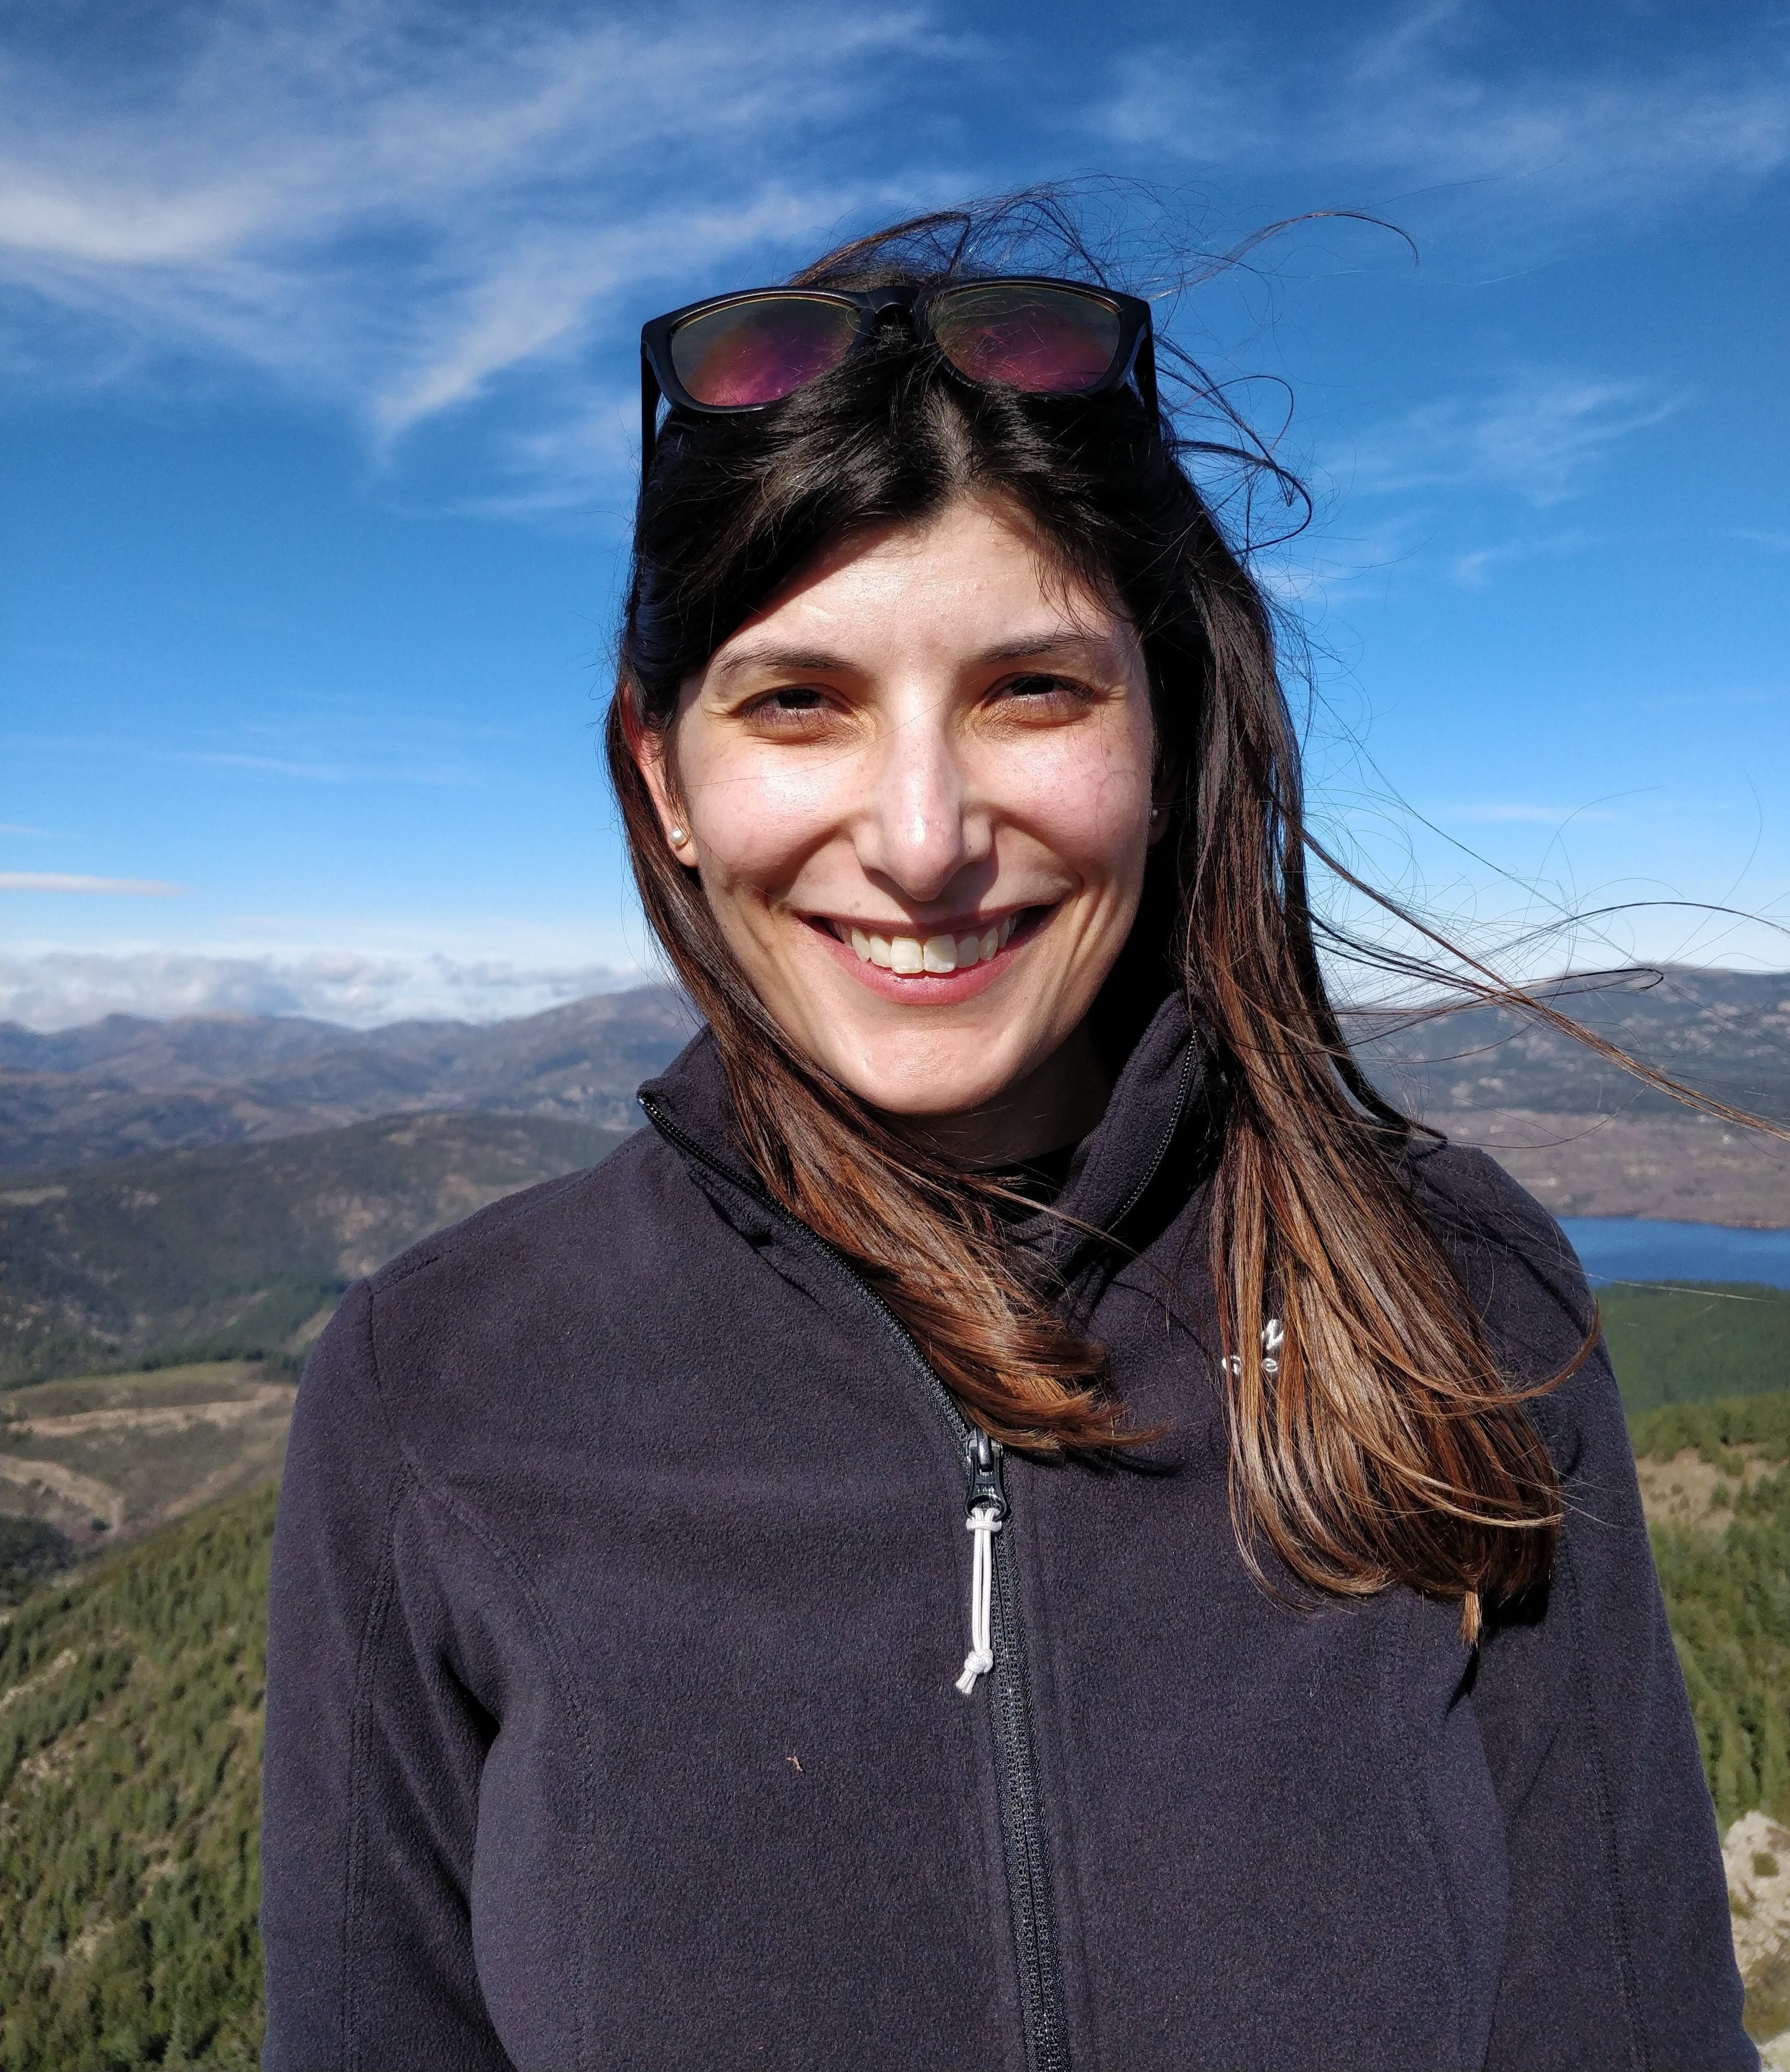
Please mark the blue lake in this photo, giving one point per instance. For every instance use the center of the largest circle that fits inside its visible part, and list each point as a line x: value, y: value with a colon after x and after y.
x: 1624, y: 1248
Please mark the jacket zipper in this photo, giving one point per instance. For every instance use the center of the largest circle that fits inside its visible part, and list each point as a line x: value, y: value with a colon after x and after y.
x: 1030, y: 1904
x: 1016, y: 1783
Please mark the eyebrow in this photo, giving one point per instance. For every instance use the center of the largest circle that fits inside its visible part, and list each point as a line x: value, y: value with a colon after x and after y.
x: 794, y: 661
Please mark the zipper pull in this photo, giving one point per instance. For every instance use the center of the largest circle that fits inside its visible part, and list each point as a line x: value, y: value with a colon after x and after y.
x: 986, y: 1513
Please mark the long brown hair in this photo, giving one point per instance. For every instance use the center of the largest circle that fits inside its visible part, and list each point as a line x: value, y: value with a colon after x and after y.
x: 1383, y: 1444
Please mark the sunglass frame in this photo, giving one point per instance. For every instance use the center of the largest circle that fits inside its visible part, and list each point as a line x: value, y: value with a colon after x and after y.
x: 1135, y: 356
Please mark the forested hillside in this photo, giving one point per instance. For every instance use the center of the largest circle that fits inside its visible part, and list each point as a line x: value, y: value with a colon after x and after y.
x: 130, y: 1806
x: 1725, y: 1572
x: 1694, y: 1344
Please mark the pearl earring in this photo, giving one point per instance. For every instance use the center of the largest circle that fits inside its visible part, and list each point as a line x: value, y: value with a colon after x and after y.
x: 1155, y: 812
x: 678, y: 837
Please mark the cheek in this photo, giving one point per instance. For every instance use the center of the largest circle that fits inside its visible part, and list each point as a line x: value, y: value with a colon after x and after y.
x: 757, y: 818
x: 1086, y: 797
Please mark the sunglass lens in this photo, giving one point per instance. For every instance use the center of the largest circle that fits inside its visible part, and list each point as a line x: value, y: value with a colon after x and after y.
x: 1047, y: 341
x: 761, y: 350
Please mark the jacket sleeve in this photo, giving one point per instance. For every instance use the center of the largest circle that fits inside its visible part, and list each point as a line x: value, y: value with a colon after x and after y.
x: 373, y: 1753
x: 1620, y: 1951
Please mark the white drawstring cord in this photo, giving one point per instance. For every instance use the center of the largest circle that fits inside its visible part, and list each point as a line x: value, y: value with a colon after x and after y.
x: 985, y: 1522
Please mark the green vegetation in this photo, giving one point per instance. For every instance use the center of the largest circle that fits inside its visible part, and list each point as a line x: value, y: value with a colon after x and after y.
x: 1728, y: 1596
x: 130, y: 1805
x: 30, y: 1549
x: 1694, y: 1343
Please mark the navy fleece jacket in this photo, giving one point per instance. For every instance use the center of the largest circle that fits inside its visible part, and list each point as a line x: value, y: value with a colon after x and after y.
x: 620, y: 1588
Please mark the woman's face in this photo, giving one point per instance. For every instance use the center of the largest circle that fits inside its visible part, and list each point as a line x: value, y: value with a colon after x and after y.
x: 917, y: 786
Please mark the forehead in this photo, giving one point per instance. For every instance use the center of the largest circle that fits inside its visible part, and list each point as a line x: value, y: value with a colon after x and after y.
x: 978, y: 568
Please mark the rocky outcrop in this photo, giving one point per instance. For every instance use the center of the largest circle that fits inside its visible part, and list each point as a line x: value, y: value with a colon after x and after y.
x: 1757, y: 1857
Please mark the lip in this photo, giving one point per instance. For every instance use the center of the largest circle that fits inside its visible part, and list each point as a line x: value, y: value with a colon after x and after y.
x: 932, y: 988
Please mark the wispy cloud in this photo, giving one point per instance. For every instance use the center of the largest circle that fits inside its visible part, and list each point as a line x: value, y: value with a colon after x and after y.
x: 1497, y: 812
x: 1474, y: 569
x: 62, y: 881
x: 1439, y: 94
x: 347, y: 753
x: 395, y: 205
x: 1539, y: 435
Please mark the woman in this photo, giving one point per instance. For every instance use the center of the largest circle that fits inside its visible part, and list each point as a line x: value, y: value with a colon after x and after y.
x: 1028, y: 1519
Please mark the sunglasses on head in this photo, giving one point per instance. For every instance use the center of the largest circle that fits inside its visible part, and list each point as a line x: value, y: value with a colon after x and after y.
x: 745, y: 351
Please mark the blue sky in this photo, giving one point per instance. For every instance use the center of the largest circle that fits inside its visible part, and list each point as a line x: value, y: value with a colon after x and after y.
x: 318, y: 328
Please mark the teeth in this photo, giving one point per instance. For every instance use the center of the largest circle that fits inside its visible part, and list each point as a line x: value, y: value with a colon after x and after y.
x: 909, y: 956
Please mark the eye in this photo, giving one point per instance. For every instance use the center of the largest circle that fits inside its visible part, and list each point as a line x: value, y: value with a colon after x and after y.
x: 1042, y: 695
x: 792, y: 709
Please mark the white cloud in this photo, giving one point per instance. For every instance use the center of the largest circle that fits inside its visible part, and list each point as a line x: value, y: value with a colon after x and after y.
x: 61, y: 989
x: 62, y: 881
x: 1474, y: 570
x: 1537, y: 435
x: 1426, y: 99
x: 392, y: 204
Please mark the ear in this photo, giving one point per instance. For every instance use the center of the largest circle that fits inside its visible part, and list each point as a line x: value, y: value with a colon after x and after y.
x: 651, y: 748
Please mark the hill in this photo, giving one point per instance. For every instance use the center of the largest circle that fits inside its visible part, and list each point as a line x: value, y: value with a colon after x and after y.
x: 102, y: 1458
x: 232, y: 1251
x: 1584, y: 1137
x: 1692, y: 1344
x: 1726, y: 1033
x: 125, y: 1085
x: 130, y: 1723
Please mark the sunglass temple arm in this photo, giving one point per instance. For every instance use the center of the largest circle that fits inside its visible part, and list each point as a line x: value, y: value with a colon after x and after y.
x: 649, y: 414
x: 1143, y: 371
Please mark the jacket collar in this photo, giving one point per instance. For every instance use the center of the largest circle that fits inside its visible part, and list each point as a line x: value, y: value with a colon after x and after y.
x: 1169, y: 1084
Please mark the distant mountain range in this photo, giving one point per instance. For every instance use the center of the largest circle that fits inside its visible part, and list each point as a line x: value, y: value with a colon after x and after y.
x: 126, y: 1085
x: 1582, y: 1135
x: 1725, y: 1034
x: 203, y: 1188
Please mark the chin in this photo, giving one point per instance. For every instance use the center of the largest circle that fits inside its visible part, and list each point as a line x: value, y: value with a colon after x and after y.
x: 927, y: 1084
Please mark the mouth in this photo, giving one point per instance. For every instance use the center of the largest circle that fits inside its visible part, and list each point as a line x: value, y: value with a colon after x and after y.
x: 938, y: 955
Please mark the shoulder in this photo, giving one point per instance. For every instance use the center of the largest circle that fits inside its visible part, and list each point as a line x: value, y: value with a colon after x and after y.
x: 598, y: 1215
x: 500, y: 1321
x: 1499, y: 1238
x: 562, y: 1260
x: 1519, y: 1272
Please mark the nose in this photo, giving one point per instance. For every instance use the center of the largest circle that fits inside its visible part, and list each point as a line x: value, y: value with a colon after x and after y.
x: 921, y: 825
